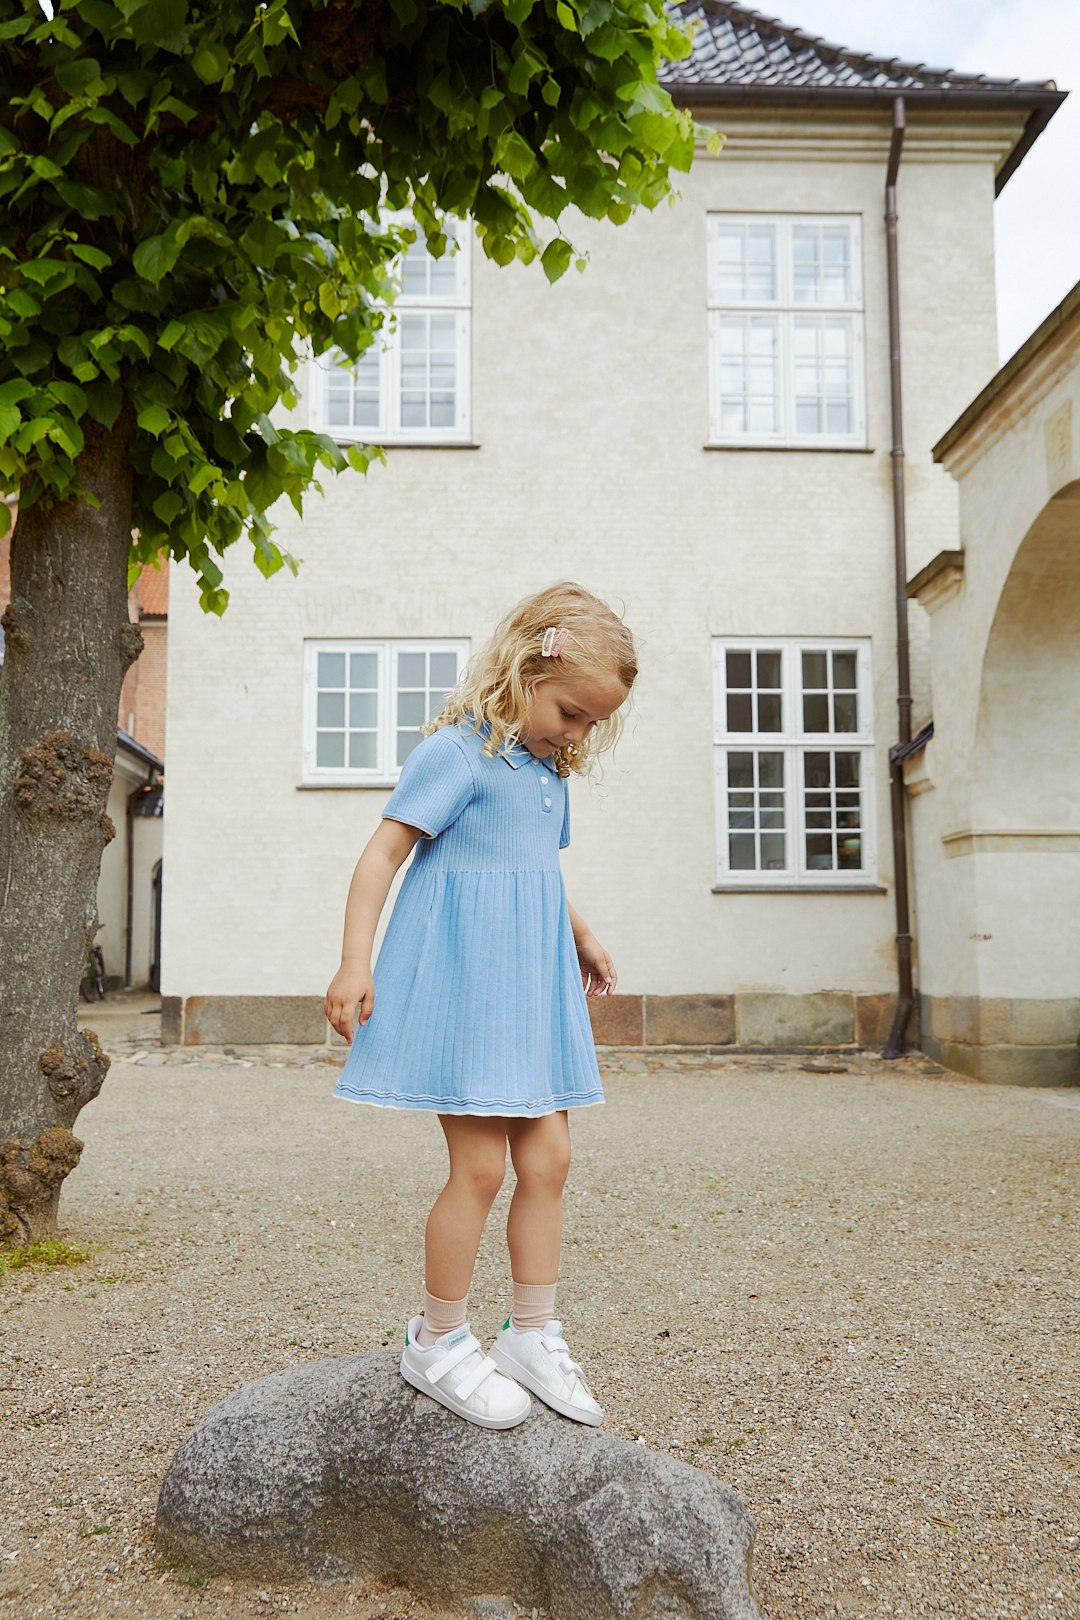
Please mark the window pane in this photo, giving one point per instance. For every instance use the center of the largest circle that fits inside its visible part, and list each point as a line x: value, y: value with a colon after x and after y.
x: 738, y: 669
x: 845, y: 712
x: 443, y: 670
x: 330, y: 748
x: 824, y: 374
x: 768, y: 669
x: 821, y: 264
x: 850, y: 853
x: 815, y: 670
x: 740, y: 715
x: 363, y: 707
x: 741, y: 852
x: 406, y: 742
x: 819, y: 851
x: 816, y: 712
x: 749, y: 373
x: 818, y: 770
x: 411, y: 708
x: 771, y: 768
x: 363, y: 671
x: 745, y: 257
x: 331, y: 709
x: 847, y: 770
x: 331, y: 669
x: 362, y: 750
x: 769, y: 712
x: 773, y: 852
x: 740, y: 770
x: 412, y: 669
x: 844, y: 666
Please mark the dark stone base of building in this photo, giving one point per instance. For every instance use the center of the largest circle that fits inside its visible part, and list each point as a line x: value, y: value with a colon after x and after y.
x: 1006, y: 1042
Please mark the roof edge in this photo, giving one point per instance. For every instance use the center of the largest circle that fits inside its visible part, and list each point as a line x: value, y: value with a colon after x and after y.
x: 1012, y: 368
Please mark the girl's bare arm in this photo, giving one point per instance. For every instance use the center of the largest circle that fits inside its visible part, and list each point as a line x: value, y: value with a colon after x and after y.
x: 597, y: 969
x: 352, y: 985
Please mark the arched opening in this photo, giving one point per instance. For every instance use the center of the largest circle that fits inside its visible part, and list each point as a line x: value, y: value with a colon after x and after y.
x: 1027, y: 754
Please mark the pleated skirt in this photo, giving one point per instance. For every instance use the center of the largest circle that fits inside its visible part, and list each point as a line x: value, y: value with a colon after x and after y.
x: 479, y: 1006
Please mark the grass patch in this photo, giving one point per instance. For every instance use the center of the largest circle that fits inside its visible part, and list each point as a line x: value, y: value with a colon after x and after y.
x: 47, y: 1255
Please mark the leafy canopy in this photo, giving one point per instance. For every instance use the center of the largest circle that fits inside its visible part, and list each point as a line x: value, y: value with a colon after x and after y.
x: 193, y: 191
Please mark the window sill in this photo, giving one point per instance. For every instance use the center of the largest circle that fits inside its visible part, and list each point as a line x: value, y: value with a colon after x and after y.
x: 798, y: 888
x: 348, y: 787
x: 410, y: 444
x: 798, y: 449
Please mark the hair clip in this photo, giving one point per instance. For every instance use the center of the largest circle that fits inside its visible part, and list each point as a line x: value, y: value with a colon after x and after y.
x: 554, y: 642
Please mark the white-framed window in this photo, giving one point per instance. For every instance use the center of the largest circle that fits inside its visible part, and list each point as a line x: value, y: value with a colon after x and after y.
x: 794, y: 756
x: 365, y: 701
x: 413, y: 384
x: 786, y: 362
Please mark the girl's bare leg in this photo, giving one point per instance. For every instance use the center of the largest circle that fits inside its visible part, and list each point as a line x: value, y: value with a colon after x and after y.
x: 540, y: 1150
x: 477, y: 1148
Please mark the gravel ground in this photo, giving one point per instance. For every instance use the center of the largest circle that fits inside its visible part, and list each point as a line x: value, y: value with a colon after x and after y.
x: 847, y: 1288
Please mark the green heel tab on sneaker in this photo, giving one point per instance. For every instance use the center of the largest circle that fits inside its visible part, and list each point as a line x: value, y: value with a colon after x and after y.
x: 506, y: 1324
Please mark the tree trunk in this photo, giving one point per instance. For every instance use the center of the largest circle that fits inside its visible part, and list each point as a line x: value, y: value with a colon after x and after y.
x: 68, y: 643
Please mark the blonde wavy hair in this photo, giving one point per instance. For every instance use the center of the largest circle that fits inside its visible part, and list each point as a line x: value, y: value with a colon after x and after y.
x: 498, y: 683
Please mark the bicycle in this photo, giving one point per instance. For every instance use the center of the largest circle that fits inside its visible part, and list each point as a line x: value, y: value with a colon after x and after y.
x: 92, y: 983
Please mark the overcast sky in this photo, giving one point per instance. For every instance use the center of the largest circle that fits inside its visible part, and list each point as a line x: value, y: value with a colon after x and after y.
x: 1038, y: 213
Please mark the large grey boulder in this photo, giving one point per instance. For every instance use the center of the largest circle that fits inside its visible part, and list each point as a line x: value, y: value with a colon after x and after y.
x: 339, y: 1469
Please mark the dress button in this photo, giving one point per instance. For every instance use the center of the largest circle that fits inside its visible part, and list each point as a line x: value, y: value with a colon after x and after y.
x: 544, y: 781
x: 547, y: 804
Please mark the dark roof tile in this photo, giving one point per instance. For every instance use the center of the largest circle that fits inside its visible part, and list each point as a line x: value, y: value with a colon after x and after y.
x: 734, y: 46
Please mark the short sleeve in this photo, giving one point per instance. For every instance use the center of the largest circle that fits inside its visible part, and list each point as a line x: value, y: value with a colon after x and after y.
x: 435, y: 785
x: 564, y: 836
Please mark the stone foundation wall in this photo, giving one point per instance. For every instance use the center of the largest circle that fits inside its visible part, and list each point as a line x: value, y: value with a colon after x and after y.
x: 748, y: 1022
x: 1008, y: 1040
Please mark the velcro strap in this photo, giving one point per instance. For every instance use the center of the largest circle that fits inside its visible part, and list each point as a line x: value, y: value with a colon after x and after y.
x: 472, y: 1381
x: 447, y: 1362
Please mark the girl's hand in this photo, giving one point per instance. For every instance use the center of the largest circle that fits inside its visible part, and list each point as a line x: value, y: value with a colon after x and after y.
x: 597, y: 969
x: 351, y: 987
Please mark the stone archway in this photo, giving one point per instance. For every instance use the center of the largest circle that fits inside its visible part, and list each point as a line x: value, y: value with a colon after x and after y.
x: 1027, y: 745
x: 1025, y: 806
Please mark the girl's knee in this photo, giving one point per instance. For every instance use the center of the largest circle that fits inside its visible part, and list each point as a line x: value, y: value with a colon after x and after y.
x: 482, y: 1174
x: 544, y: 1165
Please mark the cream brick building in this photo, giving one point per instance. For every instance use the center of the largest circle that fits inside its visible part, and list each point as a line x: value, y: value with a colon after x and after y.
x: 699, y: 429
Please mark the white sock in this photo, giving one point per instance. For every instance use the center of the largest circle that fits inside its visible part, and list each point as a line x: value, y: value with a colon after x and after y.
x: 440, y: 1316
x: 534, y: 1305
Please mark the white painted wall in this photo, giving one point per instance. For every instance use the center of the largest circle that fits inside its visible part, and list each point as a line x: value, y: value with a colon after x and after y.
x: 590, y: 410
x: 998, y: 908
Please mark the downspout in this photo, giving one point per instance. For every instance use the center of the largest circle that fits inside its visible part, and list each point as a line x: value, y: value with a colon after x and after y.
x: 129, y: 863
x: 906, y: 1000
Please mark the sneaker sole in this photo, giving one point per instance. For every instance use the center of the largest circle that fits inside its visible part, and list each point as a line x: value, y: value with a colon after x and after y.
x: 522, y: 1375
x: 425, y: 1387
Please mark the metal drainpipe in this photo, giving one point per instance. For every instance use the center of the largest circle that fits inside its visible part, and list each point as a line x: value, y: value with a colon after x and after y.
x: 895, y: 1046
x: 129, y: 863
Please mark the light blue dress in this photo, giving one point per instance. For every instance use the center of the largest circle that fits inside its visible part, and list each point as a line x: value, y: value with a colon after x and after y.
x: 479, y: 1006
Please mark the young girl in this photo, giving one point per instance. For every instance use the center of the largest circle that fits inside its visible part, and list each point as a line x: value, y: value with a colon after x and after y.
x: 478, y: 1008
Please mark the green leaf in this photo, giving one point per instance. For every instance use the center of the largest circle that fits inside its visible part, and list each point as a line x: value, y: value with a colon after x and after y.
x: 211, y: 62
x: 79, y: 77
x: 91, y: 255
x: 157, y: 22
x: 69, y: 395
x: 556, y: 258
x: 566, y: 16
x: 154, y: 258
x: 14, y: 390
x: 10, y: 419
x: 153, y: 419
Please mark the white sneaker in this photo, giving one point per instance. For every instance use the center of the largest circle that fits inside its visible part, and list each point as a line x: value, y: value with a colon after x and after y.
x: 541, y: 1360
x: 455, y: 1372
